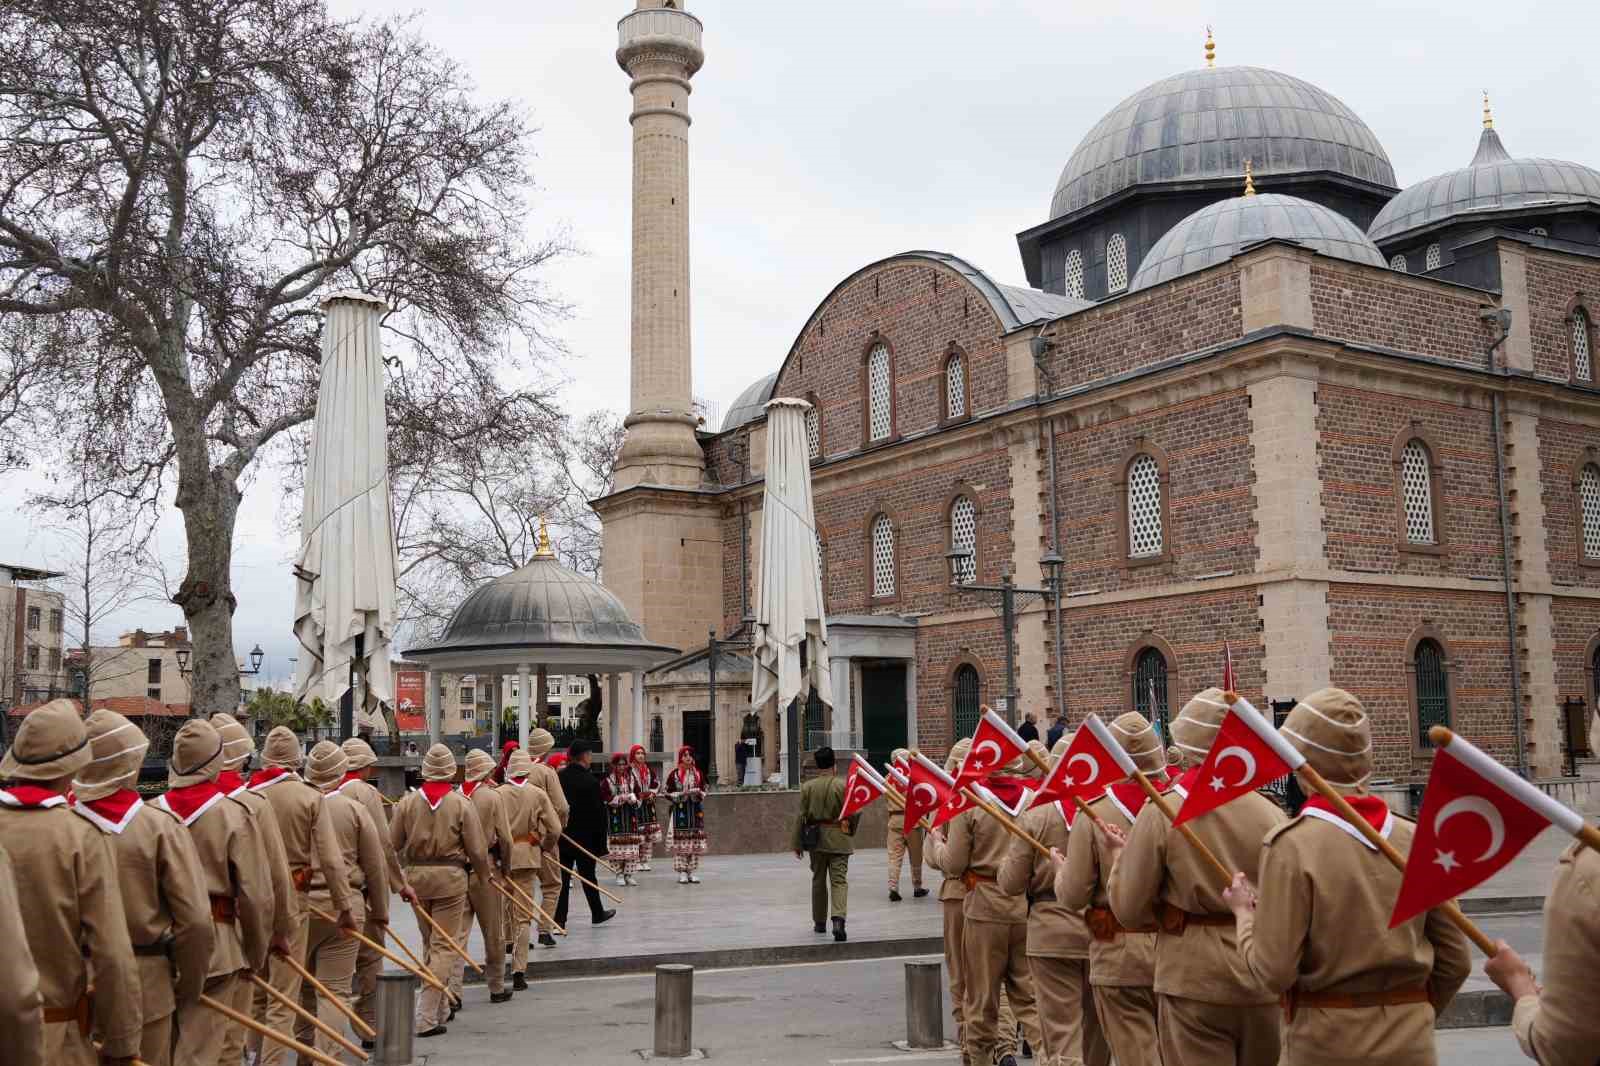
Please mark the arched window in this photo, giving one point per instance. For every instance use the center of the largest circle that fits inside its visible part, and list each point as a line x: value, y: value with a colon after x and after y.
x: 964, y: 537
x: 658, y: 734
x: 1150, y: 687
x: 1072, y: 283
x: 955, y: 387
x: 880, y: 394
x: 813, y: 428
x: 1582, y: 359
x: 1116, y: 263
x: 1416, y: 488
x: 1589, y: 510
x: 1145, y: 535
x: 1434, y: 257
x: 965, y: 700
x: 1398, y: 263
x: 882, y: 557
x: 1433, y: 689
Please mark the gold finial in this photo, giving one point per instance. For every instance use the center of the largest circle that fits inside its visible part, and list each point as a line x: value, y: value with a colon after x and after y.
x: 1211, y: 49
x: 1249, y: 179
x: 1488, y: 116
x: 544, y: 551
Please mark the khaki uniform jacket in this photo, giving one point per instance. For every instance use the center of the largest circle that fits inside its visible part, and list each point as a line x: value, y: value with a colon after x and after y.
x: 1322, y: 925
x: 424, y: 837
x: 69, y: 900
x: 1560, y: 1026
x: 1055, y: 930
x: 308, y: 838
x: 529, y: 813
x: 366, y: 794
x: 491, y: 809
x: 231, y: 866
x: 268, y: 838
x: 163, y: 896
x: 951, y: 888
x: 1159, y: 866
x: 19, y: 981
x: 546, y: 778
x: 821, y: 800
x: 975, y: 846
x: 1129, y: 960
x: 361, y: 855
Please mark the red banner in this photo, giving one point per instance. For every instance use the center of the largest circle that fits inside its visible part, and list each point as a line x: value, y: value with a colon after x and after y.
x: 411, y: 700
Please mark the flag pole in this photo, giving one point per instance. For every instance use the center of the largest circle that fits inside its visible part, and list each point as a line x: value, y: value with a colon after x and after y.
x: 1005, y: 820
x: 1559, y: 814
x: 1185, y: 829
x: 1093, y: 817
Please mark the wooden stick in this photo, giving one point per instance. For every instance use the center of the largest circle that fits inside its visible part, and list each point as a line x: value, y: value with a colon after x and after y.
x: 332, y: 1033
x: 609, y: 895
x: 1083, y: 807
x: 1185, y: 830
x: 327, y: 993
x: 448, y: 939
x: 1006, y: 820
x: 273, y: 1035
x: 1450, y: 909
x: 420, y: 968
x: 516, y: 888
x: 598, y: 860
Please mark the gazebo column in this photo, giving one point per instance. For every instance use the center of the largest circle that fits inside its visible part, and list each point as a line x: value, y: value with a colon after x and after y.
x: 524, y: 696
x: 839, y: 672
x: 541, y: 694
x: 642, y: 735
x: 435, y: 705
x: 618, y: 720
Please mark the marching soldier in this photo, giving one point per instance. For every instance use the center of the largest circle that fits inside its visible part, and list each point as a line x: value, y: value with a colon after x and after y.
x: 819, y: 831
x: 169, y: 916
x: 19, y: 981
x: 1211, y: 1009
x: 231, y: 867
x: 1355, y: 990
x: 330, y: 950
x: 533, y: 821
x: 437, y: 835
x: 900, y: 842
x: 1057, y: 939
x: 70, y: 899
x: 483, y: 902
x: 357, y: 784
x: 1122, y: 962
x: 544, y: 776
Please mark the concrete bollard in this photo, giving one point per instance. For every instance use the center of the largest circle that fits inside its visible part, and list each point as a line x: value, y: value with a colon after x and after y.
x: 924, y: 1005
x: 674, y: 1011
x: 396, y: 1021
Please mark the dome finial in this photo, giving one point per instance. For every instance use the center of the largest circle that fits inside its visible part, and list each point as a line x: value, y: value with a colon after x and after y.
x: 1211, y: 48
x: 1488, y: 116
x: 544, y: 551
x: 1249, y: 179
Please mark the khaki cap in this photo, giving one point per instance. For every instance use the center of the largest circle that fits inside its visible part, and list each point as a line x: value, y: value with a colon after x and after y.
x: 540, y: 742
x: 1137, y: 737
x: 1195, y: 728
x: 51, y: 742
x: 327, y: 765
x: 196, y: 754
x: 1330, y: 728
x: 520, y: 765
x: 282, y: 748
x: 479, y: 765
x: 237, y: 743
x: 117, y: 748
x: 439, y: 764
x: 360, y: 753
x: 958, y: 751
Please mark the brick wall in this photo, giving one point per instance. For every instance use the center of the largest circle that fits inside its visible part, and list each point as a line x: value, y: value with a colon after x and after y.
x: 1575, y: 623
x: 1563, y: 446
x: 725, y: 462
x: 940, y: 650
x: 1366, y: 305
x: 1553, y: 281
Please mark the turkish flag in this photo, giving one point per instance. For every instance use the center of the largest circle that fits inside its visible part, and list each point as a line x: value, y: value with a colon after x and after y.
x: 994, y: 744
x: 1241, y: 759
x: 1230, y: 683
x: 1473, y: 822
x: 1086, y: 768
x: 930, y: 788
x: 862, y: 788
x: 958, y: 803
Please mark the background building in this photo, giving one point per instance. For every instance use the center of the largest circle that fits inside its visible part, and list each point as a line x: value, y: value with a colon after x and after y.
x: 33, y: 624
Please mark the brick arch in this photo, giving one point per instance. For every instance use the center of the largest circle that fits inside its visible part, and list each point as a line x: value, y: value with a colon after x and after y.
x: 811, y: 398
x: 1175, y: 684
x: 1414, y: 431
x: 1589, y: 456
x: 954, y: 350
x: 875, y: 339
x: 1427, y: 630
x: 1589, y: 678
x: 966, y: 657
x: 872, y: 562
x: 1143, y: 446
x: 1580, y: 302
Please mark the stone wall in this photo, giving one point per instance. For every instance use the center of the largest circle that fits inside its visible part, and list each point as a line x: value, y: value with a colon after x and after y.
x: 756, y: 822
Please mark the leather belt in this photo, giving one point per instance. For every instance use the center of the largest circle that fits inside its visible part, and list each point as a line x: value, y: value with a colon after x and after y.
x: 79, y: 1012
x: 1296, y: 998
x: 1174, y: 920
x: 972, y: 880
x: 160, y: 949
x: 301, y: 876
x: 224, y: 909
x: 1103, y: 924
x: 530, y: 839
x: 456, y: 863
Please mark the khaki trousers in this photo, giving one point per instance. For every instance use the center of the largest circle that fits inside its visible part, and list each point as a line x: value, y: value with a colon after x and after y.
x: 830, y: 874
x: 899, y: 844
x: 953, y: 959
x: 518, y: 924
x: 64, y: 1044
x: 995, y: 957
x: 1217, y: 1034
x: 549, y: 885
x: 437, y: 955
x: 243, y: 995
x: 276, y: 1015
x: 1127, y: 1014
x: 155, y: 1042
x: 483, y: 903
x: 200, y: 1029
x: 1072, y: 1034
x: 369, y: 964
x: 331, y: 958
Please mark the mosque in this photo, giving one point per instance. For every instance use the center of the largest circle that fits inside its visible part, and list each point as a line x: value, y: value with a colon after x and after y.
x: 1257, y: 398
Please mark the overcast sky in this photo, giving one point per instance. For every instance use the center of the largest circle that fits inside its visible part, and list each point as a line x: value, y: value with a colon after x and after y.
x: 831, y: 133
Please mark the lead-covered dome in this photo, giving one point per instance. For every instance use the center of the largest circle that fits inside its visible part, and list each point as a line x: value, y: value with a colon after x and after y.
x: 750, y: 403
x: 1216, y: 233
x: 1203, y: 124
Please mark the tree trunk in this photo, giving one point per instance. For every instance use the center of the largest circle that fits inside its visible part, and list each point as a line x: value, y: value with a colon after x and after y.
x: 210, y: 506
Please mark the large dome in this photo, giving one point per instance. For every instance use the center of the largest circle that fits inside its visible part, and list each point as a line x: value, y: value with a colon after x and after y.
x: 1216, y: 233
x: 1203, y: 124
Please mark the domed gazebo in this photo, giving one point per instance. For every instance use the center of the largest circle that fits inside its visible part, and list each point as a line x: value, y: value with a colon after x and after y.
x: 542, y: 617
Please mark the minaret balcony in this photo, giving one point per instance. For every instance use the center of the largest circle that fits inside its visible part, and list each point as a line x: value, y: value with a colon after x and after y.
x: 660, y: 32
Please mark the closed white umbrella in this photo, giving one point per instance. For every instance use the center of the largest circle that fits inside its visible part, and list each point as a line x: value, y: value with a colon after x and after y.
x: 345, y: 574
x: 789, y: 604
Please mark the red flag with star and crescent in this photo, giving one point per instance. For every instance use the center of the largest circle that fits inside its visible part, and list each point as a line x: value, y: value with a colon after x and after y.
x: 958, y: 803
x: 929, y: 789
x: 994, y: 744
x: 1230, y: 683
x: 1476, y: 817
x: 862, y: 788
x: 1085, y: 769
x: 1247, y: 754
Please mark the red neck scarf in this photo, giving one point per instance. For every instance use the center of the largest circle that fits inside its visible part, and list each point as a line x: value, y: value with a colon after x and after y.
x: 191, y: 801
x: 1372, y: 810
x: 1184, y: 781
x: 435, y: 792
x: 469, y: 787
x: 1008, y: 790
x: 262, y: 778
x: 1129, y: 798
x: 112, y: 813
x: 31, y: 797
x: 230, y: 781
x: 351, y: 775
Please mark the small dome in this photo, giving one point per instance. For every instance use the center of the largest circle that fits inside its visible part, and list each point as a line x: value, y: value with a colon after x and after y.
x: 750, y: 404
x: 1493, y: 181
x: 1203, y: 124
x: 1216, y: 233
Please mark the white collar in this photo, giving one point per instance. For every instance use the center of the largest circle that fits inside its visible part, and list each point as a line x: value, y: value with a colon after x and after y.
x: 161, y: 801
x: 1333, y: 819
x: 1118, y: 804
x: 287, y: 775
x: 11, y: 801
x: 345, y: 784
x: 514, y: 783
x: 105, y: 824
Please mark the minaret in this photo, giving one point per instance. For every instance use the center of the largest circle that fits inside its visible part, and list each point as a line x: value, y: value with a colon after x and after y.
x: 659, y: 47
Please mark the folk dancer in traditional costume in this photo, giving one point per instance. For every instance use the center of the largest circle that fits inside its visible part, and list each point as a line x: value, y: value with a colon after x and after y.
x: 484, y: 903
x: 686, y: 792
x: 1122, y: 961
x: 622, y: 818
x: 69, y: 899
x: 648, y: 784
x: 1211, y: 1009
x: 1318, y: 930
x: 543, y: 776
x: 357, y: 784
x: 169, y: 915
x: 901, y: 842
x: 533, y: 822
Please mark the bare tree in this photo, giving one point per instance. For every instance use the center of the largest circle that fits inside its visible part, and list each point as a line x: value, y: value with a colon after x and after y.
x: 181, y: 181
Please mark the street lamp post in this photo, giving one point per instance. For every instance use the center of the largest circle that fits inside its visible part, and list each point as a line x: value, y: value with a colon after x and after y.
x: 962, y: 570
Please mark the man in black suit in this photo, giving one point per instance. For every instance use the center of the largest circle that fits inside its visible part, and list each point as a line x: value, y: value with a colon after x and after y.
x: 587, y: 826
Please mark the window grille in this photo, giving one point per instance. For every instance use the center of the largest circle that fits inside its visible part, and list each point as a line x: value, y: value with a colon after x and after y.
x: 819, y: 552
x: 813, y: 431
x: 879, y: 398
x: 882, y: 556
x: 1116, y: 263
x: 1144, y: 507
x: 1073, y: 276
x: 955, y: 387
x: 1416, y: 484
x: 1539, y: 231
x: 1398, y: 263
x: 1582, y: 363
x: 1433, y: 690
x: 965, y: 709
x: 1589, y: 501
x: 964, y: 537
x: 1150, y: 688
x: 1433, y: 257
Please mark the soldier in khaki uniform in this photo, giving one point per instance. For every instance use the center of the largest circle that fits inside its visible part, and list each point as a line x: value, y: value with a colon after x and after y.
x: 169, y: 915
x: 437, y: 835
x: 821, y: 800
x: 1211, y: 1008
x: 1058, y: 941
x: 357, y: 784
x: 330, y: 950
x: 544, y: 776
x: 231, y: 867
x: 483, y: 902
x: 901, y: 842
x: 533, y: 821
x: 69, y: 894
x: 1357, y: 991
x: 19, y: 981
x: 1122, y: 962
